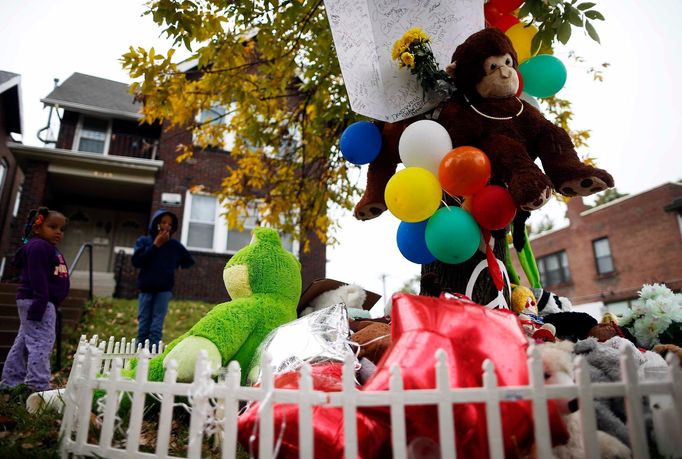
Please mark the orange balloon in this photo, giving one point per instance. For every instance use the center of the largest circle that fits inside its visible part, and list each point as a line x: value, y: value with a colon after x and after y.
x: 464, y: 171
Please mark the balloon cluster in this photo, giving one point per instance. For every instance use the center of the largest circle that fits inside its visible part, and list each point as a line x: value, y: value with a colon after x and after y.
x: 542, y: 75
x: 427, y: 232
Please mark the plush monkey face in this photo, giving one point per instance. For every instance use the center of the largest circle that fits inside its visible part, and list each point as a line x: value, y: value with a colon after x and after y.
x: 500, y: 80
x: 483, y: 66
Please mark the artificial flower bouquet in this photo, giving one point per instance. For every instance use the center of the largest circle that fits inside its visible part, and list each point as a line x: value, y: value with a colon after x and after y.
x: 656, y: 317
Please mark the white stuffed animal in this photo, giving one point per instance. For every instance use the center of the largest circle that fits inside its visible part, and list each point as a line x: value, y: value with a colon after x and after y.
x: 352, y: 295
x: 557, y: 360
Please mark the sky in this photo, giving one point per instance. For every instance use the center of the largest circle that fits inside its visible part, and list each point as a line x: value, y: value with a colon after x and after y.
x: 634, y: 115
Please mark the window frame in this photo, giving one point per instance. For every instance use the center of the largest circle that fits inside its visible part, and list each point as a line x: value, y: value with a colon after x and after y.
x: 228, y: 136
x: 221, y: 228
x: 609, y: 256
x: 79, y: 131
x: 4, y: 167
x: 565, y: 271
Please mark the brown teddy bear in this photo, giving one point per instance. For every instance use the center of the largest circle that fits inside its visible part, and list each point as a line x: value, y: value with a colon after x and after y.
x: 485, y: 113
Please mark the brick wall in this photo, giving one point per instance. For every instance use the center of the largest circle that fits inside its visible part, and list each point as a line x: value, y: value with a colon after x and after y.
x: 645, y: 241
x: 32, y: 197
x: 9, y: 187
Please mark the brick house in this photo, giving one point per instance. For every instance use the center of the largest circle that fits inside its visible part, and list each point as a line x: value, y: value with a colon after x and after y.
x: 607, y: 253
x: 108, y: 173
x: 10, y: 175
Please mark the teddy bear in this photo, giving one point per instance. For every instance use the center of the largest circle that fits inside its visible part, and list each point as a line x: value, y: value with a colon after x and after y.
x: 557, y: 362
x: 322, y: 293
x: 485, y: 113
x: 264, y: 284
x: 524, y: 305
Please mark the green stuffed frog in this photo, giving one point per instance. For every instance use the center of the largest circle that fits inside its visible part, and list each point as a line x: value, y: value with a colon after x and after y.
x: 264, y: 282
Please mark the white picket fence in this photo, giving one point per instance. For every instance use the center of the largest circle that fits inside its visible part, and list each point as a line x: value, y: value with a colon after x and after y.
x: 99, y: 367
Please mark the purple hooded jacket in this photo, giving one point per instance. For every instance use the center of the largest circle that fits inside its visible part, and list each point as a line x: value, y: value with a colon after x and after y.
x: 44, y: 276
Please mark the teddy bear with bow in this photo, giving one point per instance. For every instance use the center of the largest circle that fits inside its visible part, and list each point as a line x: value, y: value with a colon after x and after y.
x: 485, y: 113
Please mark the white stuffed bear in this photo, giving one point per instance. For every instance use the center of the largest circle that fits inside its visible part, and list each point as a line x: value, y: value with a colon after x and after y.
x: 352, y: 295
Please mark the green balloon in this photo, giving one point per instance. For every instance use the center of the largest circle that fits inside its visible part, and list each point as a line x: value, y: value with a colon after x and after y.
x: 452, y: 235
x: 543, y: 75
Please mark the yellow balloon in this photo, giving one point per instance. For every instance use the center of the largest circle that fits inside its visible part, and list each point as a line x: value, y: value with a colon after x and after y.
x: 413, y: 194
x: 521, y: 37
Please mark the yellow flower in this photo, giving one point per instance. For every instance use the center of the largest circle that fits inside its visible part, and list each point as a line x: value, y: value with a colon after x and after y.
x: 407, y: 59
x: 412, y: 36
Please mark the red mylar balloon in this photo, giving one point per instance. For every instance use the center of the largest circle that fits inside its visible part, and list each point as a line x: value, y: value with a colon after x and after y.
x: 469, y: 334
x: 373, y: 434
x: 505, y: 21
x: 493, y: 207
x: 505, y: 6
x: 464, y: 171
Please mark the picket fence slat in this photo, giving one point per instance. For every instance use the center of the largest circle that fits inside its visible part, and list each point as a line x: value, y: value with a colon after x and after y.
x: 492, y: 410
x: 398, y: 436
x: 446, y: 421
x: 166, y: 412
x: 633, y: 406
x: 215, y: 405
x: 588, y: 420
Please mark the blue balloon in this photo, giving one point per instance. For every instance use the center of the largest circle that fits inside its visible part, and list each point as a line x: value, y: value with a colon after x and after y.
x: 412, y: 242
x: 361, y: 142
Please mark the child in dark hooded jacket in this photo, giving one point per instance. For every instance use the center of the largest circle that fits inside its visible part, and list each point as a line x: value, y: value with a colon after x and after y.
x: 157, y: 255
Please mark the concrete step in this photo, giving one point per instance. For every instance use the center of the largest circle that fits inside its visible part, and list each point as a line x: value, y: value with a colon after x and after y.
x: 103, y: 283
x: 70, y: 302
x: 71, y: 314
x: 6, y: 287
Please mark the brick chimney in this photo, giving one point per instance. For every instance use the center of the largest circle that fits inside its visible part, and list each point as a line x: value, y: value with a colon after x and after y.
x: 575, y: 207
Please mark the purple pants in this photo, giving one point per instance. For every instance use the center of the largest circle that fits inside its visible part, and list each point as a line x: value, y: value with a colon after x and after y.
x: 29, y: 359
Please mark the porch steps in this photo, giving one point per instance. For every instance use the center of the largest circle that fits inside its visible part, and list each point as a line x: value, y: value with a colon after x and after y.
x: 71, y: 308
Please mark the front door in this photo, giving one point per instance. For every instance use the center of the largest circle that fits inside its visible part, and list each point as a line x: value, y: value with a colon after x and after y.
x: 107, y: 230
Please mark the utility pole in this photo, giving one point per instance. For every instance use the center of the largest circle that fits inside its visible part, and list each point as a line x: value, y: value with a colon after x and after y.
x: 383, y: 277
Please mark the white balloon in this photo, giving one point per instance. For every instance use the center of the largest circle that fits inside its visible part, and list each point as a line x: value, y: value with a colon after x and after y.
x: 423, y: 144
x: 531, y: 100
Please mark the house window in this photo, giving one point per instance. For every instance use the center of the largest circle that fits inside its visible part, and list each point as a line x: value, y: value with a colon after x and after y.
x: 93, y: 135
x: 207, y: 229
x: 3, y: 173
x: 554, y: 269
x: 17, y: 201
x: 202, y: 222
x: 236, y: 239
x: 602, y: 256
x: 217, y: 115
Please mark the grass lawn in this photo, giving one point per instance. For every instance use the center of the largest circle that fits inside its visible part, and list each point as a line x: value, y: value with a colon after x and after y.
x: 23, y: 435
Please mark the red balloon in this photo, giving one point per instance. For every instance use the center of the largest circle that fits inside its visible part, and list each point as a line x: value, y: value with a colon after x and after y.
x: 373, y: 435
x: 469, y: 334
x: 493, y: 207
x: 492, y: 13
x: 505, y: 21
x: 505, y: 6
x: 464, y: 171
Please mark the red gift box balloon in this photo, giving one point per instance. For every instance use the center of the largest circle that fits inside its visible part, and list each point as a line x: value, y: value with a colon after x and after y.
x: 469, y: 334
x: 327, y: 422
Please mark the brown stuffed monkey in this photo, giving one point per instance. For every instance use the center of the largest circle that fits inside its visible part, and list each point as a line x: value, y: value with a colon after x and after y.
x: 485, y: 113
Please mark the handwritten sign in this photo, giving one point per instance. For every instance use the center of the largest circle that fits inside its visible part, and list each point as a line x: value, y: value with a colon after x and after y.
x: 364, y: 32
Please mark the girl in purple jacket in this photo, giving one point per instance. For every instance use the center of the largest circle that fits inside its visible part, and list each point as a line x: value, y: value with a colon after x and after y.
x: 44, y: 285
